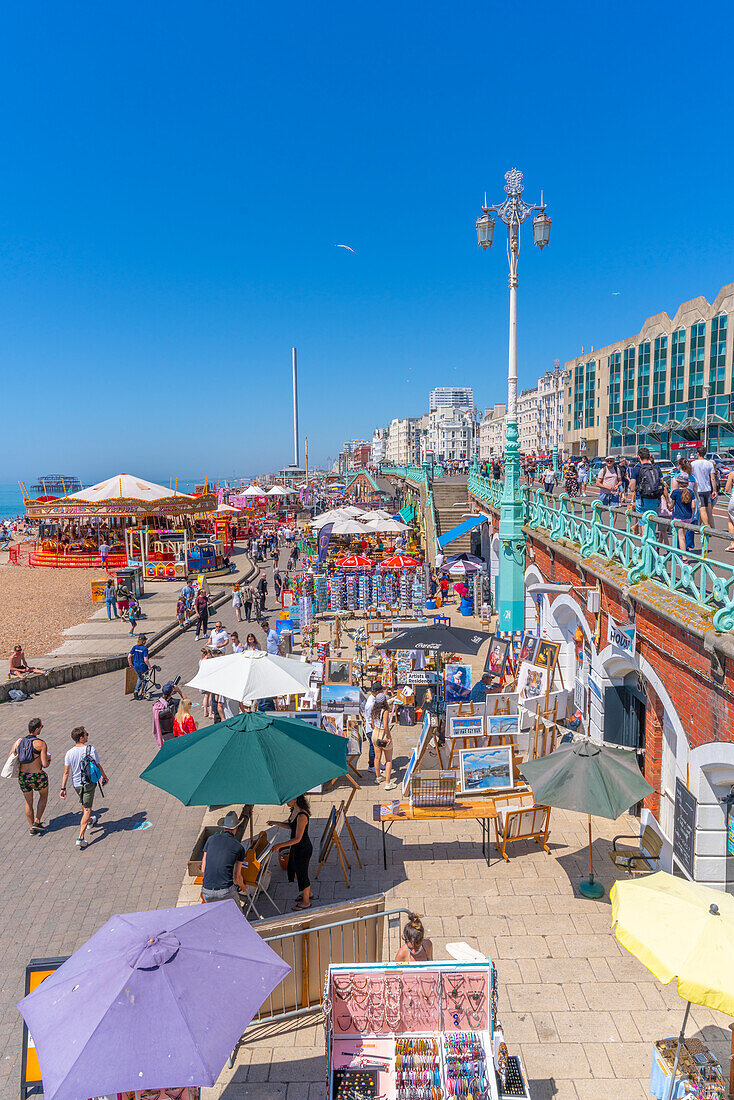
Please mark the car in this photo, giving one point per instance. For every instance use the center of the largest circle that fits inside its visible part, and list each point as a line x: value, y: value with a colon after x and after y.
x: 667, y: 468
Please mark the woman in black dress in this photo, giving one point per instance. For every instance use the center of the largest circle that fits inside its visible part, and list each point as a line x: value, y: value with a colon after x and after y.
x: 299, y: 847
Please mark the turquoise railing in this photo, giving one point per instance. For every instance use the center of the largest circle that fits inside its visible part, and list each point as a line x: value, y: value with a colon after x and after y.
x: 610, y: 533
x: 413, y: 473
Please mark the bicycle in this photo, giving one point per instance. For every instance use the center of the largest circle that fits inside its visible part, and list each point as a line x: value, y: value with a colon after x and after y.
x: 150, y: 683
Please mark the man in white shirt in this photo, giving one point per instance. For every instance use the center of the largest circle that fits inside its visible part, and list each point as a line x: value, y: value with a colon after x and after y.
x: 368, y: 708
x: 272, y: 641
x: 219, y: 637
x: 75, y: 760
x: 704, y: 472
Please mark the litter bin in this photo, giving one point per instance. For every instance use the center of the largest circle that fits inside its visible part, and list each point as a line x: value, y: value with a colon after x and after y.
x: 286, y: 639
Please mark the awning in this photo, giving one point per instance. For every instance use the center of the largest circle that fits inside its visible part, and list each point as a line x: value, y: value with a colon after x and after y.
x: 406, y: 513
x: 461, y: 529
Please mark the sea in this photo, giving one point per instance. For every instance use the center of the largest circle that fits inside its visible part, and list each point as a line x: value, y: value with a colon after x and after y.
x: 11, y: 498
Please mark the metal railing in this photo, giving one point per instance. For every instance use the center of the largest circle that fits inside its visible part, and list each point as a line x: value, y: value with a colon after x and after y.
x: 308, y: 952
x: 413, y: 473
x: 645, y: 546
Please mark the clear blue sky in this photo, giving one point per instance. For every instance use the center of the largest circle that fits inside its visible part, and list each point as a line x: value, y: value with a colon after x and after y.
x: 174, y: 177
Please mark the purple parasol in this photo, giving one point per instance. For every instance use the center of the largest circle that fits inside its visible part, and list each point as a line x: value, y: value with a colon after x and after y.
x: 152, y: 1000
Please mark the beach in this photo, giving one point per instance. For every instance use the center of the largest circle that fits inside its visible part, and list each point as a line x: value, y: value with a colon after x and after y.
x: 36, y: 606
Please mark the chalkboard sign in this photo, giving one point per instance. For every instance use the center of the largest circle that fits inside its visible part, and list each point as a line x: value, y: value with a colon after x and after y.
x: 684, y: 827
x: 328, y: 835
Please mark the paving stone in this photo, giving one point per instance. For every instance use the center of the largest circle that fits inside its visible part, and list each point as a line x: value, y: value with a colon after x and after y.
x: 564, y: 1061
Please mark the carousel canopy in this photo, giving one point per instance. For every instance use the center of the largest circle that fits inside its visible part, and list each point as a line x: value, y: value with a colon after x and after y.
x: 123, y: 496
x: 127, y: 487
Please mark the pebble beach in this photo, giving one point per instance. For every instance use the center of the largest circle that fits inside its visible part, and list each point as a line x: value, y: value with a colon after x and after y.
x: 37, y: 605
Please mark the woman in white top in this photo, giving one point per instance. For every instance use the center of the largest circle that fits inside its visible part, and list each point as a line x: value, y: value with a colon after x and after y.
x: 237, y: 602
x: 237, y: 646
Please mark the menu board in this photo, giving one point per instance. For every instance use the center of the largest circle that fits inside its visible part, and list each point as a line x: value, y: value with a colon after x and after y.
x: 684, y: 827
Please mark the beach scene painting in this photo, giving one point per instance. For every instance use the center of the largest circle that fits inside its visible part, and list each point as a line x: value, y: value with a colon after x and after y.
x: 483, y: 770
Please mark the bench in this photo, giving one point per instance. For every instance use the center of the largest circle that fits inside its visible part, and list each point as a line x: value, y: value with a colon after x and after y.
x: 643, y: 859
x: 518, y: 818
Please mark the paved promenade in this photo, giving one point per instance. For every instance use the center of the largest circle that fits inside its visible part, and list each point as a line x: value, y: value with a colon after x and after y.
x: 54, y: 896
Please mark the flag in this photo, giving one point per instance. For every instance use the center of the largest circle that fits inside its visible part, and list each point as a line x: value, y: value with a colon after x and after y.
x: 323, y: 541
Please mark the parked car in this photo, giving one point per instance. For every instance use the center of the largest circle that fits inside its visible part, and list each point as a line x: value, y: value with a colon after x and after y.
x: 667, y: 469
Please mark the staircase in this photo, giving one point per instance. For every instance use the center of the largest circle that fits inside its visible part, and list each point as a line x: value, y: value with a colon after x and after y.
x: 446, y: 493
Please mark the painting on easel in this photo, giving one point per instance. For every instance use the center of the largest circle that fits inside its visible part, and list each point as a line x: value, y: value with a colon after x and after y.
x: 546, y: 656
x: 458, y: 683
x: 496, y: 656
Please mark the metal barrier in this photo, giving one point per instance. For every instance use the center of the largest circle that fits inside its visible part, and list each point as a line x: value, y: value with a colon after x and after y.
x: 308, y: 951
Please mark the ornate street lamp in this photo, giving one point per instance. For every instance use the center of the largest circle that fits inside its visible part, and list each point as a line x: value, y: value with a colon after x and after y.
x: 513, y: 212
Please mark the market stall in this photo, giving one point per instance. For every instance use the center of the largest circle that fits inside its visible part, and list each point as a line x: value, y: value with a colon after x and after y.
x: 422, y: 1031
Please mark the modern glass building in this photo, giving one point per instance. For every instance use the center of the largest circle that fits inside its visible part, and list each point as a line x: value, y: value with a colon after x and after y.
x: 668, y: 387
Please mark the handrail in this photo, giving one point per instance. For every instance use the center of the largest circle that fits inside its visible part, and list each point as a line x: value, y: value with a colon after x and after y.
x: 640, y: 545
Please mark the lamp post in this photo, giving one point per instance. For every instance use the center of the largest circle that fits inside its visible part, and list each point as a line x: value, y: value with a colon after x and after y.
x: 513, y: 212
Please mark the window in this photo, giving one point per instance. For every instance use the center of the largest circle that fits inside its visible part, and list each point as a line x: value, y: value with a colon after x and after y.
x: 717, y: 354
x: 643, y: 375
x: 659, y: 371
x: 578, y: 396
x: 615, y: 371
x: 695, y: 360
x: 628, y: 380
x: 677, y: 365
x: 590, y: 392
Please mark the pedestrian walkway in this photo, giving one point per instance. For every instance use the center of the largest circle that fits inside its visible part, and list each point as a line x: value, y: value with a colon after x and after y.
x: 55, y: 896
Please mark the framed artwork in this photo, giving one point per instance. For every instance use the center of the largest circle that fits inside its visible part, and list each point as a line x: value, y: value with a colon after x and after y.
x: 470, y: 725
x: 327, y: 835
x: 425, y: 734
x: 501, y: 702
x: 338, y: 670
x: 503, y: 725
x: 528, y: 649
x: 546, y: 655
x: 336, y: 699
x: 425, y: 696
x: 311, y: 716
x: 483, y: 770
x: 496, y: 657
x: 458, y: 683
x: 333, y: 723
x: 408, y: 773
x: 532, y: 683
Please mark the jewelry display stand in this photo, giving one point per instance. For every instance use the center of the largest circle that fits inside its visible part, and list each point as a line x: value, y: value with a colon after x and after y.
x: 420, y: 1031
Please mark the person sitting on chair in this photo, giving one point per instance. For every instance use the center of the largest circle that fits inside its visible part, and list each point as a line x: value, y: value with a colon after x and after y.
x: 221, y: 864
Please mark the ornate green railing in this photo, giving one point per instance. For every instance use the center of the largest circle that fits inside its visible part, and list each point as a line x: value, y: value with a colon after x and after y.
x: 645, y: 554
x: 413, y: 473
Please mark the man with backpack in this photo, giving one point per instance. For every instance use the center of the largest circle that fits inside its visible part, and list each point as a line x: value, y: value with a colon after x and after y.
x: 86, y: 772
x: 647, y: 487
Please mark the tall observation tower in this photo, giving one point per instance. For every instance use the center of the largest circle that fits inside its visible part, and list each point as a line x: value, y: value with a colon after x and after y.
x: 294, y: 472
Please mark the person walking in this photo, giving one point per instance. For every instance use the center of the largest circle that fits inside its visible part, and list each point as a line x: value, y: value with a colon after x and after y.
x: 206, y: 655
x: 262, y: 588
x: 237, y: 602
x: 272, y: 641
x: 704, y: 473
x: 583, y: 475
x: 248, y: 600
x: 139, y: 659
x: 123, y: 598
x: 549, y: 480
x: 647, y: 487
x: 133, y: 614
x: 104, y: 553
x: 382, y: 740
x: 608, y: 484
x: 571, y: 482
x: 730, y: 511
x: 33, y: 757
x: 299, y: 848
x: 684, y: 509
x: 83, y: 764
x: 219, y: 637
x: 110, y: 599
x: 277, y: 584
x: 221, y: 864
x: 368, y: 729
x: 201, y: 607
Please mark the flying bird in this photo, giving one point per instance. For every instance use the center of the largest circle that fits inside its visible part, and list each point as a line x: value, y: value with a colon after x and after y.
x: 345, y: 246
x: 615, y: 292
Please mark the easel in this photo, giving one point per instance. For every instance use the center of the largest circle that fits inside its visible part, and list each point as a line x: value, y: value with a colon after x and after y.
x: 545, y: 732
x: 469, y: 740
x: 335, y: 842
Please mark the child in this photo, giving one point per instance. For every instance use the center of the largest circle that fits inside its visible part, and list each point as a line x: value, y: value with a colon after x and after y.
x: 133, y: 613
x: 684, y: 510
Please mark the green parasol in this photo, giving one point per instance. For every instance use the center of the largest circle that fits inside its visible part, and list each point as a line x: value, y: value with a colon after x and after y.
x: 592, y: 779
x: 253, y: 758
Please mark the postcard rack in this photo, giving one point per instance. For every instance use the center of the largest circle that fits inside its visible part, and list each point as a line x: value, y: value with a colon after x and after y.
x: 422, y: 1031
x: 433, y: 788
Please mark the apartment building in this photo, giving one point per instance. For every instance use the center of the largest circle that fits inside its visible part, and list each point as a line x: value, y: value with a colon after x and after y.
x: 492, y: 432
x: 451, y: 434
x: 668, y: 387
x: 451, y: 397
x: 404, y: 441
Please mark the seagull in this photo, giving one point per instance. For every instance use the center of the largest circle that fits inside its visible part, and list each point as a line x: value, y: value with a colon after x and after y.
x: 345, y: 246
x: 615, y: 292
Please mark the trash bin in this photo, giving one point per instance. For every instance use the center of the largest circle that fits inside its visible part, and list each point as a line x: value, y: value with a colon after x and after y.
x: 286, y: 638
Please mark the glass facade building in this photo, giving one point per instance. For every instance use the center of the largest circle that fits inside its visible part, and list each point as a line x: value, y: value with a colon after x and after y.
x: 668, y: 387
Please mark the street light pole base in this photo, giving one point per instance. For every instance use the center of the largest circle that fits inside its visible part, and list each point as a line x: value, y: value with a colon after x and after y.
x: 590, y: 889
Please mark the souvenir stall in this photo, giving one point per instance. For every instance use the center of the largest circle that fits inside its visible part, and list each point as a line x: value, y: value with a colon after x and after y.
x: 110, y: 511
x: 421, y: 1031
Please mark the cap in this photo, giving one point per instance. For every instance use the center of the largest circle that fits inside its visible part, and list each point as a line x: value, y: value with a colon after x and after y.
x: 231, y: 820
x: 682, y: 478
x: 168, y: 687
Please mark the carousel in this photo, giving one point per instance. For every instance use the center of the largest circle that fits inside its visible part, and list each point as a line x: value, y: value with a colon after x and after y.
x: 146, y: 526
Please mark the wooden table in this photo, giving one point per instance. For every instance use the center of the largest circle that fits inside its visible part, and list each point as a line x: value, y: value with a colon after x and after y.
x: 464, y: 809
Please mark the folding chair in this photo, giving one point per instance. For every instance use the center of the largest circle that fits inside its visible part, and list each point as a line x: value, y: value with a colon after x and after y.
x: 254, y: 890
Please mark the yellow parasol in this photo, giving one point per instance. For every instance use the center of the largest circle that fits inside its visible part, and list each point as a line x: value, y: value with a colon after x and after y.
x: 682, y: 930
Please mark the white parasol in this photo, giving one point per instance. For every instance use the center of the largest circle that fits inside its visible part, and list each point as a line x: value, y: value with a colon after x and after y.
x: 253, y: 675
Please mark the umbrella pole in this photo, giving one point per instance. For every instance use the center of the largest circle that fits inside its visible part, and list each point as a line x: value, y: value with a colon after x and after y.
x: 671, y: 1086
x: 587, y: 887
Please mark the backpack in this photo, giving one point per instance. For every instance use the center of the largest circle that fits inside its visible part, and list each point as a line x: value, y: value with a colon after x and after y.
x: 650, y: 482
x: 25, y: 749
x: 89, y: 768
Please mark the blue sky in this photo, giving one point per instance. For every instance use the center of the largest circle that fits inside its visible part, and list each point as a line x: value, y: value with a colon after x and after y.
x: 174, y: 177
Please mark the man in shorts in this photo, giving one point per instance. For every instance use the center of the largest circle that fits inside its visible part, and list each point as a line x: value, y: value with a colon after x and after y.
x: 33, y: 757
x: 704, y: 473
x: 74, y: 763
